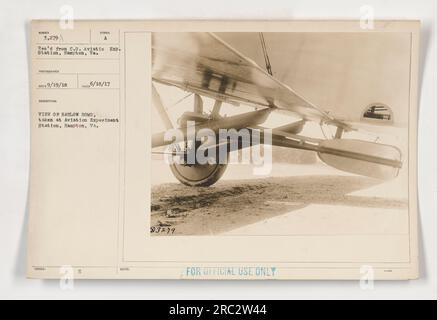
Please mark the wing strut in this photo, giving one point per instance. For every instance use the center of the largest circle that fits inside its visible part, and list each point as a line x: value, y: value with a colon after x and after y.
x: 266, y: 55
x: 160, y: 108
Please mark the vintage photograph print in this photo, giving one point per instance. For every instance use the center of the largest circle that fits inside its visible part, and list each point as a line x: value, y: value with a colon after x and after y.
x: 280, y: 133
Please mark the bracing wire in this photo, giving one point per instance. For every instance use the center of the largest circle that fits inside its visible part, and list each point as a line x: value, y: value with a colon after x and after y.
x: 265, y: 53
x: 179, y: 101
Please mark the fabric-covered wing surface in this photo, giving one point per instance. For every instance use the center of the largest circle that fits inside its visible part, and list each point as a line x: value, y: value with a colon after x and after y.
x: 202, y: 63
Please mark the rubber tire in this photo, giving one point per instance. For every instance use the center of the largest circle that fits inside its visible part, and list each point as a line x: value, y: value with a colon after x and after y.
x: 186, y: 174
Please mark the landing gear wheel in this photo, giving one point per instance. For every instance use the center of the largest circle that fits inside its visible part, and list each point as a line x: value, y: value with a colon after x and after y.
x: 198, y: 175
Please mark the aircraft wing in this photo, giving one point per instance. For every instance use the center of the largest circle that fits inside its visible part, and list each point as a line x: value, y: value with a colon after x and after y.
x: 202, y: 63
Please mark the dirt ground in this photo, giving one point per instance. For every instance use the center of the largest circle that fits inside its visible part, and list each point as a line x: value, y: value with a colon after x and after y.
x: 232, y: 204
